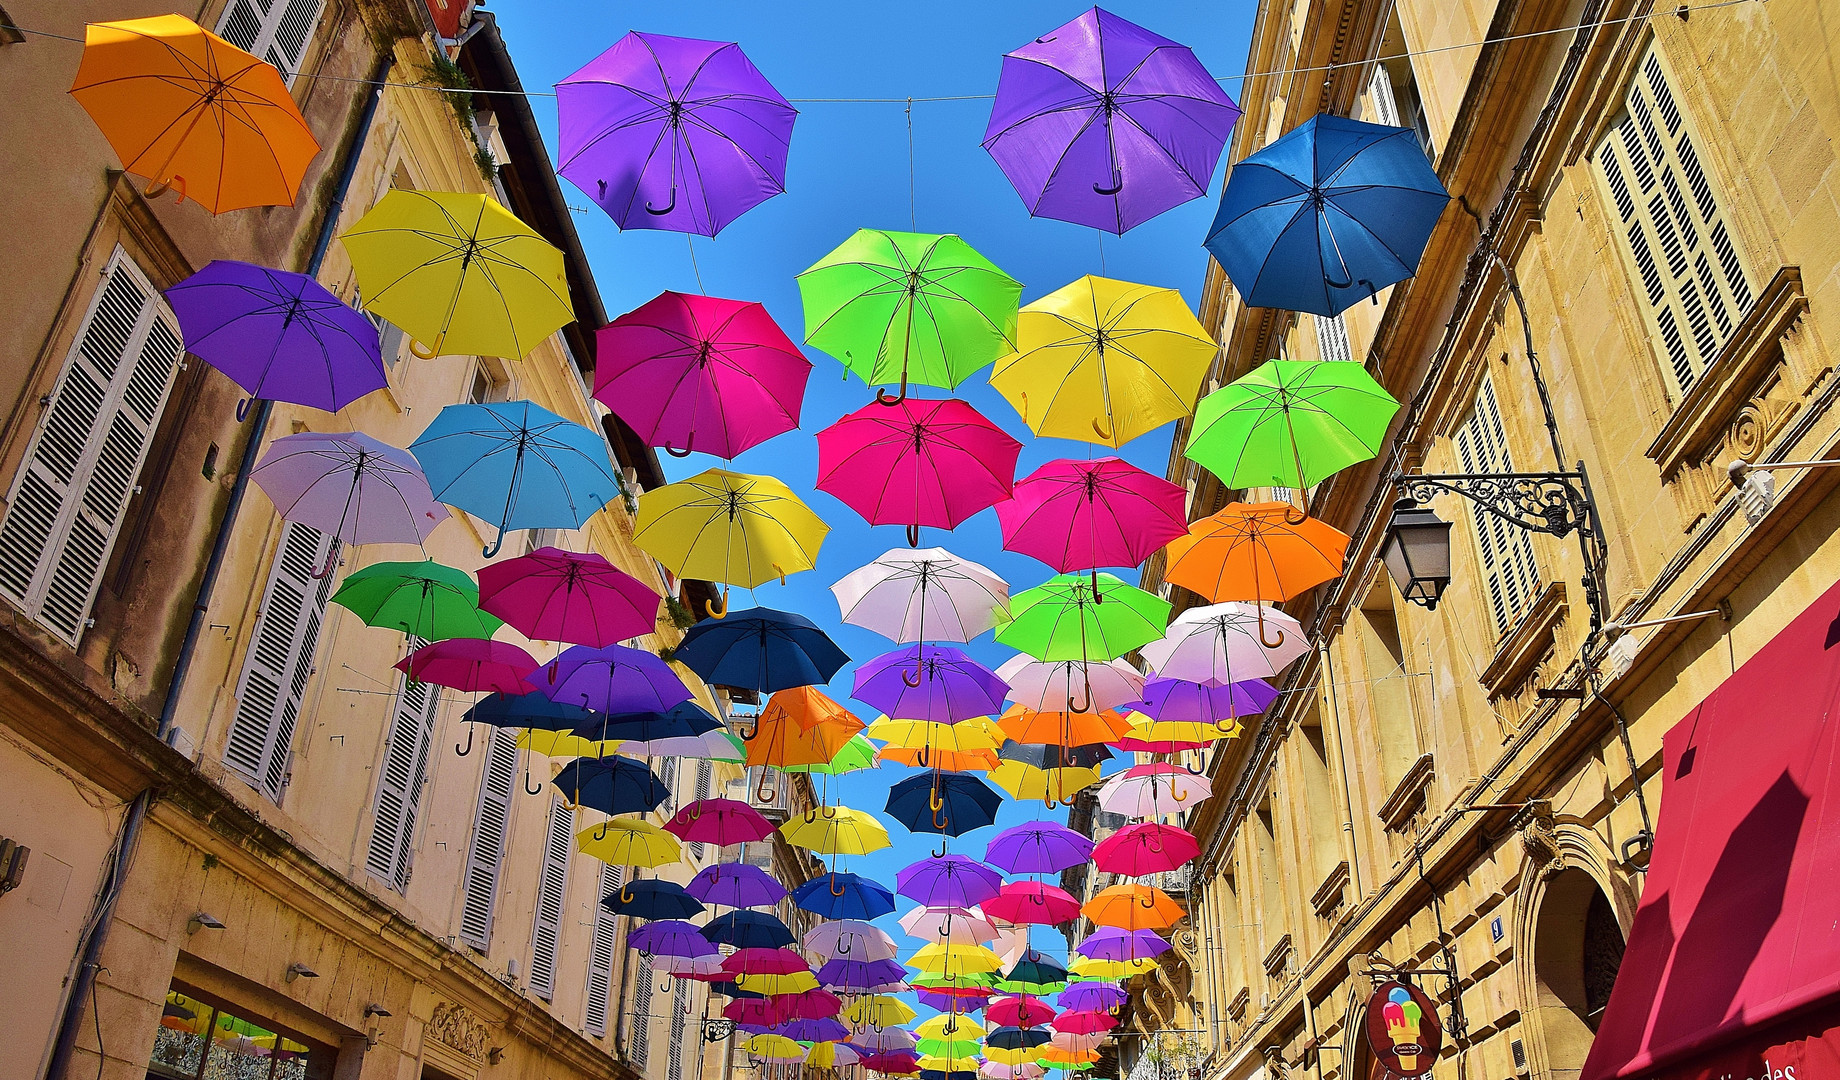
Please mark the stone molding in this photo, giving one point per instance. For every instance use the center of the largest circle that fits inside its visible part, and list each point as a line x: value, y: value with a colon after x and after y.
x: 1407, y: 794
x: 1527, y: 644
x: 1278, y: 960
x: 1332, y: 895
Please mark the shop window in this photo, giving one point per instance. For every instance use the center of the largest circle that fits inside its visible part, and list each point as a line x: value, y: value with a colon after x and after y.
x: 1509, y: 573
x: 202, y: 1039
x: 491, y: 821
x: 278, y: 31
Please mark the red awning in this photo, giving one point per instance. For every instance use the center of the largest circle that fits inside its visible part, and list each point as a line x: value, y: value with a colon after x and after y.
x: 1734, y: 957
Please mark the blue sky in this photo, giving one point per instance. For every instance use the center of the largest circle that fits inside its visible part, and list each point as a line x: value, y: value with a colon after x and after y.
x: 848, y: 169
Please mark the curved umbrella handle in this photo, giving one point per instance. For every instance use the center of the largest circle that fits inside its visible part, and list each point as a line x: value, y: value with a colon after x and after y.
x: 427, y: 352
x: 1037, y: 899
x: 933, y: 801
x: 811, y: 815
x: 923, y: 757
x: 915, y: 680
x: 626, y: 893
x: 462, y: 751
x: 1050, y: 801
x: 668, y: 207
x: 715, y: 612
x: 176, y: 185
x: 1228, y: 725
x: 689, y: 445
x: 1178, y: 794
x: 1302, y: 515
x: 780, y: 570
x: 1263, y: 640
x: 242, y: 408
x: 940, y: 853
x: 941, y: 822
x: 1098, y: 598
x: 752, y: 734
x: 1148, y: 903
x: 1156, y: 844
x: 1080, y: 706
x: 827, y: 812
x: 883, y: 397
x: 761, y: 789
x: 527, y: 789
x: 913, y: 535
x: 665, y: 987
x: 842, y: 949
x: 601, y: 833
x: 1101, y: 432
x: 332, y: 558
x: 1117, y: 184
x: 491, y: 550
x: 834, y: 890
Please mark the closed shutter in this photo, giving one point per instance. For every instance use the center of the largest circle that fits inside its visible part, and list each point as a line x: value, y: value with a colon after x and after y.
x: 278, y: 31
x: 1690, y: 277
x: 641, y: 1047
x: 551, y: 888
x: 705, y: 775
x: 72, y: 490
x: 1380, y: 90
x: 1508, y: 569
x: 280, y: 660
x: 400, y: 780
x: 1332, y: 338
x: 680, y: 1005
x: 491, y: 822
x: 600, y: 958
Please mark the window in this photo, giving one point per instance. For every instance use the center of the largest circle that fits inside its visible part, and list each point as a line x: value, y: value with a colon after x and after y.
x: 600, y: 958
x: 280, y: 660
x: 551, y: 888
x: 1392, y: 720
x: 488, y: 385
x: 1692, y: 280
x: 275, y: 30
x: 399, y: 782
x: 390, y: 338
x: 1393, y: 89
x: 200, y: 1040
x: 72, y: 490
x: 641, y: 1047
x: 491, y: 822
x: 1332, y: 338
x: 1508, y: 569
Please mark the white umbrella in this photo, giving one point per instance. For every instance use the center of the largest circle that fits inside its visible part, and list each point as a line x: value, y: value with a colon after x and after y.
x: 957, y: 926
x: 687, y: 966
x: 922, y: 593
x: 1067, y: 1040
x: 1227, y: 642
x: 1047, y: 687
x: 851, y: 938
x: 716, y: 745
x: 1153, y: 790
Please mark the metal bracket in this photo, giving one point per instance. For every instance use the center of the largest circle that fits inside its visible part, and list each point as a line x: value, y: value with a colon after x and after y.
x: 1552, y: 503
x: 716, y: 1030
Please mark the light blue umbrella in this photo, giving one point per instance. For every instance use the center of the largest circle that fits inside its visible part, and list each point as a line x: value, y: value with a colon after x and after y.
x: 518, y: 464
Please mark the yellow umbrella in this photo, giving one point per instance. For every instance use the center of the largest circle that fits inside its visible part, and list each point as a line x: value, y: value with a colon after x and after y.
x: 460, y: 273
x: 562, y: 744
x: 796, y: 982
x: 629, y: 842
x: 774, y: 1048
x: 823, y: 1055
x: 950, y: 958
x: 927, y: 735
x: 1106, y: 970
x: 948, y: 1026
x: 1017, y: 1056
x: 1025, y: 781
x: 1104, y: 361
x: 729, y: 527
x: 932, y: 1063
x: 836, y: 830
x: 1144, y: 729
x: 880, y: 1010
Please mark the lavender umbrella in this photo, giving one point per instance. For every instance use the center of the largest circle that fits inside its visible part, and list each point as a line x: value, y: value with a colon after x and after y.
x: 350, y: 485
x: 741, y: 885
x: 1111, y: 943
x: 1092, y: 997
x: 929, y: 682
x: 1203, y: 702
x: 948, y: 881
x: 1038, y: 847
x: 614, y: 679
x: 859, y: 975
x: 850, y: 938
x: 671, y: 937
x: 1103, y: 123
x: 883, y: 1040
x: 673, y: 133
x: 278, y: 335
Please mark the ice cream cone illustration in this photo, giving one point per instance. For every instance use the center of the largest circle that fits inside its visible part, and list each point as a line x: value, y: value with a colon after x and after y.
x: 1403, y: 1016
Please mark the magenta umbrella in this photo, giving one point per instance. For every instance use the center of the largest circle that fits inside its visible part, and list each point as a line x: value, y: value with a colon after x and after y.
x: 701, y: 373
x: 920, y: 462
x: 1081, y: 515
x: 474, y: 665
x: 556, y: 595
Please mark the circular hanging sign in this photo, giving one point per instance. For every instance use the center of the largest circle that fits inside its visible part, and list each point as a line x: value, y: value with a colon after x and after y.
x: 1402, y: 1029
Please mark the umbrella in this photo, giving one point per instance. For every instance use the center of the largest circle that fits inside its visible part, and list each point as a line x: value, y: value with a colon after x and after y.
x: 1017, y: 1038
x: 614, y: 785
x: 952, y: 1048
x: 732, y: 990
x: 760, y: 649
x: 684, y: 720
x: 1067, y: 1040
x: 841, y: 895
x: 942, y: 760
x: 930, y: 593
x: 1073, y: 617
x: 350, y: 486
x: 955, y: 986
x: 832, y: 1055
x: 1084, y: 1023
x: 518, y: 465
x: 670, y: 937
x: 612, y: 679
x: 952, y: 804
x: 278, y: 335
x: 1255, y: 552
x: 921, y: 462
x: 951, y: 881
x: 1111, y: 943
x: 963, y: 925
x: 191, y: 112
x: 556, y: 595
x: 929, y: 682
x: 1149, y: 736
x: 701, y: 968
x: 673, y: 133
x: 836, y: 830
x: 1022, y: 1070
x: 1033, y: 902
x: 852, y: 938
x: 800, y: 726
x: 762, y: 961
x: 960, y: 747
x: 629, y: 842
x: 711, y: 746
x: 811, y: 1004
x: 852, y: 974
x: 748, y: 930
x: 691, y: 372
x: 893, y: 1063
x: 1105, y: 361
x: 1052, y: 785
x: 1327, y: 215
x: 741, y: 885
x: 944, y: 958
x: 1055, y: 756
x: 1034, y: 973
x: 1023, y: 1011
x: 950, y: 1027
x: 528, y: 710
x: 1226, y: 643
x: 1145, y: 848
x: 1132, y: 906
x: 729, y: 527
x: 1046, y: 687
x: 773, y: 1048
x: 1038, y: 847
x: 879, y: 1011
x: 1153, y: 790
x: 1174, y: 701
x: 1290, y: 423
x: 796, y: 982
x: 422, y: 599
x: 1065, y: 728
x: 719, y: 821
x: 1077, y: 515
x: 914, y: 306
x: 470, y: 664
x: 652, y: 899
x: 1092, y: 997
x: 1103, y: 123
x: 460, y: 274
x: 857, y: 753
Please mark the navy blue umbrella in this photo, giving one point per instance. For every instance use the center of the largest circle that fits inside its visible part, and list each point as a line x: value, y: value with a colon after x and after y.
x: 1016, y: 1038
x: 844, y: 896
x: 733, y: 990
x: 527, y: 711
x: 1327, y: 216
x: 652, y: 899
x: 748, y: 930
x: 1034, y: 973
x: 949, y: 803
x: 1055, y: 757
x: 761, y: 649
x: 684, y: 720
x: 612, y: 785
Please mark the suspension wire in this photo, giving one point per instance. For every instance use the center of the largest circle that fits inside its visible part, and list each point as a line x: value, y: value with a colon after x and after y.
x: 694, y: 269
x: 913, y: 212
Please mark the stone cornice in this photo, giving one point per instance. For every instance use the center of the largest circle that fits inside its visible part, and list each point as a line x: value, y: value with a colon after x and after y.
x: 1531, y: 638
x: 1407, y: 795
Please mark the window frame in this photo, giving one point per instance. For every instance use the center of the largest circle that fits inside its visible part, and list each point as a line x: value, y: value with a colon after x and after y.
x: 270, y: 22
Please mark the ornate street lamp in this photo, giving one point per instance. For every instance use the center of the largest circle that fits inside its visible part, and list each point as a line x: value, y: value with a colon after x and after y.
x: 1417, y: 552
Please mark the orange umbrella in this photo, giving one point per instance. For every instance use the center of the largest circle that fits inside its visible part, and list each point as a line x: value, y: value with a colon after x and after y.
x: 1063, y: 728
x: 799, y: 726
x: 1131, y: 906
x: 1255, y: 551
x: 190, y: 111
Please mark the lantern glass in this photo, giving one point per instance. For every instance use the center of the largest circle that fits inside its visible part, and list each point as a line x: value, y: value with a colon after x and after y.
x: 1417, y: 553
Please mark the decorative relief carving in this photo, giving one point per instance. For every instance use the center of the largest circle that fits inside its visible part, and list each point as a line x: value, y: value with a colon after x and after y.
x: 454, y: 1026
x: 1539, y: 839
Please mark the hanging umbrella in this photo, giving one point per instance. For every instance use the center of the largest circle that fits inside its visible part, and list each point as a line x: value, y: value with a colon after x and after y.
x: 1145, y: 848
x: 729, y: 527
x: 1049, y: 757
x: 1226, y: 643
x: 923, y: 743
x: 853, y: 938
x: 748, y: 930
x: 1075, y: 617
x: 1327, y: 215
x: 1078, y: 515
x: 739, y: 885
x: 799, y: 726
x: 879, y: 1011
x: 1052, y: 786
x: 1255, y: 552
x: 422, y: 599
x: 831, y: 1055
x: 849, y: 974
x: 837, y: 830
x: 965, y: 925
x: 1034, y: 973
x: 858, y: 753
x: 1084, y: 1023
x: 1021, y: 1011
x: 614, y: 785
x: 652, y: 899
x: 191, y: 112
x: 473, y: 665
x: 1041, y: 686
x: 929, y: 682
x: 702, y: 968
x: 947, y: 960
x: 894, y: 1064
x: 948, y: 1048
x: 709, y: 746
x: 950, y: 1026
x: 1105, y: 361
x: 951, y: 804
x: 670, y: 937
x: 926, y: 593
x: 1172, y: 701
x: 689, y: 372
x: 1038, y: 847
x: 841, y: 895
x: 278, y: 335
x: 916, y: 307
x: 684, y: 720
x: 773, y: 1048
x: 460, y: 274
x: 350, y: 486
x: 760, y: 649
x: 1018, y: 1038
x: 613, y: 679
x: 954, y: 987
x: 1092, y: 997
x: 528, y: 710
x: 1033, y: 902
x: 556, y: 595
x: 1132, y: 906
x: 1065, y: 728
x: 810, y: 1005
x: 1022, y: 1070
x: 952, y: 761
x: 1153, y: 790
x: 796, y: 982
x: 1111, y: 943
x: 1149, y: 736
x: 629, y: 842
x: 953, y: 881
x: 1103, y: 123
x: 722, y: 822
x: 1290, y: 423
x: 919, y: 463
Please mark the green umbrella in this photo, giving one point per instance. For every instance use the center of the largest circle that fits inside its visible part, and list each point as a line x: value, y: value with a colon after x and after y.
x: 948, y: 1047
x: 918, y: 307
x: 857, y: 753
x: 1083, y: 617
x: 423, y: 599
x: 1290, y: 423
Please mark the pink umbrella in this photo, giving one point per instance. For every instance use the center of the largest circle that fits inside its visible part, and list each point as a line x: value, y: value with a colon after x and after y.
x: 471, y: 664
x: 719, y: 821
x: 1081, y: 515
x: 1033, y: 902
x: 920, y: 462
x: 701, y: 373
x: 1145, y: 848
x: 556, y: 595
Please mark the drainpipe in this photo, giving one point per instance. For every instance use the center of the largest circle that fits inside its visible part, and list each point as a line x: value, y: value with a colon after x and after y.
x: 84, y: 984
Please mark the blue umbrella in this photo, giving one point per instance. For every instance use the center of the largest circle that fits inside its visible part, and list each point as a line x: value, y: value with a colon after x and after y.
x: 684, y: 720
x: 733, y: 990
x: 613, y: 785
x: 844, y: 896
x: 949, y: 803
x: 527, y: 711
x: 652, y: 899
x: 761, y: 649
x: 748, y: 930
x: 1327, y: 216
x: 517, y: 464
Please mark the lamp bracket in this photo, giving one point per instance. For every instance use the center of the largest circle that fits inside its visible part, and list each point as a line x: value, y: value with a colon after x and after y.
x: 715, y: 1030
x: 1555, y: 503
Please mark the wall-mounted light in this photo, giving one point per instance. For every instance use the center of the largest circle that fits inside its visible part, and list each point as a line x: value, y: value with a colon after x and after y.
x: 374, y: 1009
x: 495, y: 1055
x: 299, y: 971
x: 1757, y: 488
x: 1623, y: 644
x: 202, y: 920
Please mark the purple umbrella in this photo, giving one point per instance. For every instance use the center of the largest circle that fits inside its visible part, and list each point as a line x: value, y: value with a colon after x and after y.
x: 1103, y: 123
x: 1092, y: 997
x: 930, y: 682
x: 278, y: 335
x: 888, y: 1040
x: 359, y: 489
x: 829, y: 1029
x: 671, y: 937
x: 736, y: 885
x: 613, y: 679
x: 1203, y: 702
x: 673, y: 133
x: 859, y: 975
x: 1038, y: 847
x: 1111, y: 943
x: 948, y: 881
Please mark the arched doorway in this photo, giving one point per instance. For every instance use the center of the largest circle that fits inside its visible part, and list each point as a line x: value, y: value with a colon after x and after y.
x: 1577, y: 949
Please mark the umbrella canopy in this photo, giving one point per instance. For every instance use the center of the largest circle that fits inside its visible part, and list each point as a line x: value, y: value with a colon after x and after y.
x: 852, y: 938
x: 929, y: 682
x: 709, y: 746
x: 577, y: 597
x: 614, y: 785
x: 652, y: 899
x: 1111, y: 943
x: 1145, y: 848
x: 858, y: 753
x: 517, y: 464
x: 1178, y: 701
x: 841, y: 895
x: 740, y: 885
x: 922, y: 462
x: 1077, y: 515
x: 1149, y: 736
x: 760, y: 649
x: 927, y: 593
x: 1255, y: 552
x: 916, y: 307
x: 1105, y: 361
x: 1327, y: 215
x: 1077, y: 617
x: 1034, y: 973
x: 1067, y: 1040
x: 473, y: 665
x: 1153, y: 790
x: 811, y: 1004
x: 947, y: 959
x: 673, y: 133
x: 831, y: 1055
x: 1063, y: 728
x: 191, y: 112
x: 1290, y: 423
x: 773, y: 1048
x: 689, y: 372
x: 1102, y: 123
x: 1033, y: 902
x: 422, y: 599
x: 748, y: 930
x: 951, y: 804
x: 1042, y: 686
x: 879, y: 1010
x: 1038, y: 847
x: 836, y: 830
x: 959, y: 924
x: 1056, y: 756
x: 1132, y: 906
x: 629, y: 842
x: 1092, y: 997
x: 700, y: 968
x: 351, y: 486
x: 951, y: 881
x: 729, y: 527
x: 893, y: 1064
x: 527, y: 710
x: 670, y: 937
x: 612, y: 679
x: 1017, y: 1038
x: 1227, y: 642
x: 800, y: 726
x: 278, y: 335
x: 1084, y: 1023
x: 855, y: 974
x: 684, y: 720
x: 1022, y: 1070
x: 1051, y: 786
x: 719, y: 821
x: 1021, y: 1011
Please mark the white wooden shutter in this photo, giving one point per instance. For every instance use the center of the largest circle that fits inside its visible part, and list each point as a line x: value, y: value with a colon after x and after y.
x: 1508, y: 569
x: 275, y: 30
x: 1380, y: 89
x: 491, y: 822
x: 600, y: 958
x: 551, y: 889
x: 641, y: 1047
x: 400, y: 780
x: 280, y: 660
x: 680, y: 1004
x: 72, y: 490
x: 1332, y: 338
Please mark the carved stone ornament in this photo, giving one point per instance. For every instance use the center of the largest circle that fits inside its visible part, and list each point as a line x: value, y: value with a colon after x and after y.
x: 1539, y: 841
x: 454, y: 1026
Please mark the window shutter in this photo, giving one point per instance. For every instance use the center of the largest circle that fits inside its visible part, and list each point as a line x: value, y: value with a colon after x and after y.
x: 1508, y: 569
x: 72, y: 490
x: 280, y: 659
x: 551, y: 887
x: 641, y: 1047
x: 680, y: 1004
x: 1386, y: 109
x: 705, y: 776
x: 1332, y: 339
x: 399, y: 781
x: 491, y: 823
x: 600, y: 958
x: 278, y: 31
